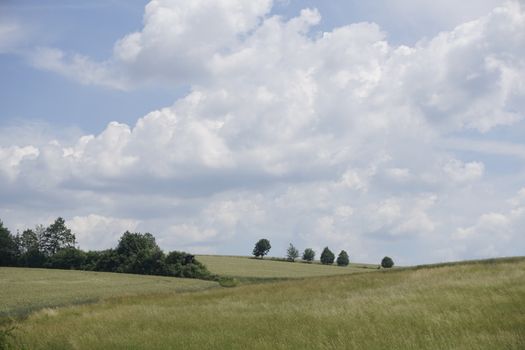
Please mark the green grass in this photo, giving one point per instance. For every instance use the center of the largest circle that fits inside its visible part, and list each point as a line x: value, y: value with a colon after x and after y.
x: 462, y: 306
x: 23, y: 290
x: 250, y: 268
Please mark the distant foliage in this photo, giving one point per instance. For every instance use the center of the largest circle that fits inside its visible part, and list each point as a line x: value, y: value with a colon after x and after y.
x: 57, y: 236
x: 342, y: 259
x: 387, y: 262
x: 8, y: 247
x: 54, y: 247
x: 327, y: 257
x: 67, y: 258
x: 308, y: 255
x: 262, y: 247
x: 292, y: 253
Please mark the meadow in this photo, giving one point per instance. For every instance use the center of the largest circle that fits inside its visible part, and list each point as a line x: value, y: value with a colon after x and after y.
x: 476, y: 305
x: 24, y: 290
x: 251, y: 268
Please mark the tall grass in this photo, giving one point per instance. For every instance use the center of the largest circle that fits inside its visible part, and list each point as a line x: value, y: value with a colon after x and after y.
x: 472, y: 306
x: 23, y: 290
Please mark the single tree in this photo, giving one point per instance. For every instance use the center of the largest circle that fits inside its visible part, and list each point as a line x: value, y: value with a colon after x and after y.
x: 28, y: 241
x: 308, y: 255
x: 57, y: 236
x: 292, y: 253
x: 262, y: 247
x: 327, y: 257
x: 139, y: 253
x: 342, y: 259
x: 387, y: 262
x: 29, y: 248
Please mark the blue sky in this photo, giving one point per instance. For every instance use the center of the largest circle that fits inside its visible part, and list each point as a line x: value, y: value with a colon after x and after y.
x: 382, y: 128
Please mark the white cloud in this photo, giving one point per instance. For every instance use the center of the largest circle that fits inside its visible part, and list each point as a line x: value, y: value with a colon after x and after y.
x: 100, y: 232
x: 331, y: 138
x: 459, y: 171
x: 12, y: 157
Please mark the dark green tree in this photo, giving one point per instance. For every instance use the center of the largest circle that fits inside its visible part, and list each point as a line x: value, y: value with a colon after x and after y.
x: 292, y: 253
x: 55, y: 237
x: 139, y: 253
x: 342, y: 259
x: 181, y: 264
x: 28, y: 241
x: 67, y: 258
x: 8, y: 247
x: 262, y: 247
x: 29, y: 247
x: 308, y: 255
x: 387, y: 262
x: 327, y: 257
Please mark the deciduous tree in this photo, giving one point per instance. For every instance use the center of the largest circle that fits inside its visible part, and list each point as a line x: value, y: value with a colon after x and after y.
x: 262, y: 247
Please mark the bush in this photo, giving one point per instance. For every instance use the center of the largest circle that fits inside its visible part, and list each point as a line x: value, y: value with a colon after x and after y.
x: 308, y: 255
x: 181, y: 264
x: 327, y: 257
x: 342, y: 259
x: 228, y: 282
x: 67, y: 258
x: 262, y: 247
x: 108, y: 260
x: 387, y: 262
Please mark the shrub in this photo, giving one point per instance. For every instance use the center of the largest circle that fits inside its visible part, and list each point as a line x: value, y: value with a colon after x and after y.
x: 228, y: 282
x: 308, y: 255
x: 67, y: 258
x: 108, y: 261
x: 327, y: 257
x: 387, y: 262
x: 262, y: 247
x: 292, y: 253
x: 181, y: 264
x: 342, y: 259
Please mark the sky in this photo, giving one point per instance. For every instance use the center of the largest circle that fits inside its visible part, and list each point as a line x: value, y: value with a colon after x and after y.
x: 381, y: 128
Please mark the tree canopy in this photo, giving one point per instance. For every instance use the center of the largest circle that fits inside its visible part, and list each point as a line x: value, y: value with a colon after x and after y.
x: 327, y: 257
x: 262, y: 247
x: 342, y: 259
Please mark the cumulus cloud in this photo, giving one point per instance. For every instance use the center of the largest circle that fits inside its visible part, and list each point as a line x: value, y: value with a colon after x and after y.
x: 100, y: 232
x: 494, y: 233
x: 12, y: 157
x: 338, y: 137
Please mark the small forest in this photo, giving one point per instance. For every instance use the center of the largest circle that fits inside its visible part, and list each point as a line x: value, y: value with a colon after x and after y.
x: 55, y: 247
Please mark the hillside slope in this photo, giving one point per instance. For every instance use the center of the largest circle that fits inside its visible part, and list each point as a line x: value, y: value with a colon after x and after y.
x: 23, y: 290
x: 461, y: 306
x: 239, y: 266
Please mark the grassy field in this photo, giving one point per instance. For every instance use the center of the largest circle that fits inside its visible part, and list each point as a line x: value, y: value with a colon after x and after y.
x: 245, y: 267
x: 463, y: 306
x: 24, y: 290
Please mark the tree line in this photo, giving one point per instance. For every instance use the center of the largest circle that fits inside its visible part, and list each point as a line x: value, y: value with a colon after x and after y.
x: 54, y: 247
x: 263, y: 246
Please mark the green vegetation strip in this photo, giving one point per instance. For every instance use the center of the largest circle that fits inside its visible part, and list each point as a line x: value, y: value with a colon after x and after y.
x: 471, y: 306
x: 23, y: 290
